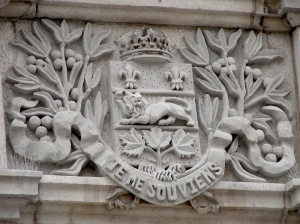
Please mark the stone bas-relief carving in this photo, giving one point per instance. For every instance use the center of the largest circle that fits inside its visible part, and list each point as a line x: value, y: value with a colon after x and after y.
x: 57, y: 123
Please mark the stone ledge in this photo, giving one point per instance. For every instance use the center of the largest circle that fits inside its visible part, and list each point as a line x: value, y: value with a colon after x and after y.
x: 84, y: 198
x: 17, y: 188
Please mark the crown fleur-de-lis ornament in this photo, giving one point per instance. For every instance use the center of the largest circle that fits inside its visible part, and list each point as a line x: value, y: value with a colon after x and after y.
x: 130, y: 76
x: 176, y: 78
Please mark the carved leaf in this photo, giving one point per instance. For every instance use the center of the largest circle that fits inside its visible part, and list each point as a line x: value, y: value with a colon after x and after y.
x: 197, y: 50
x: 46, y: 99
x: 21, y: 71
x: 233, y: 146
x: 262, y: 117
x: 74, y: 73
x: 42, y: 37
x: 91, y: 45
x: 92, y: 81
x: 252, y: 45
x: 233, y: 39
x: 176, y: 168
x: 266, y: 56
x: 251, y: 87
x: 243, y: 174
x: 214, y: 43
x: 230, y: 86
x: 62, y: 34
x: 276, y: 82
x: 80, y: 161
x: 47, y: 73
x: 102, y: 50
x: 282, y: 103
x: 134, y: 144
x: 27, y: 48
x: 147, y: 168
x: 39, y: 111
x: 208, y: 111
x: 157, y: 138
x: 207, y: 82
x: 88, y: 111
x: 182, y: 144
x: 26, y: 89
x: 245, y: 162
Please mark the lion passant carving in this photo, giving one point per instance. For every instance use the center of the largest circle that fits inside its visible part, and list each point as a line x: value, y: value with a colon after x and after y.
x: 137, y: 110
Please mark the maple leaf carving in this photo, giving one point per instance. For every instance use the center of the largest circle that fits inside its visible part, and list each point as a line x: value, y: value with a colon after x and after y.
x: 156, y: 138
x: 182, y: 144
x: 134, y: 144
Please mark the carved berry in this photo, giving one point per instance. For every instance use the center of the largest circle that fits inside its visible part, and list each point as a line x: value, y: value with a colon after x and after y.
x: 248, y: 70
x: 40, y: 62
x: 46, y: 138
x: 34, y: 122
x: 31, y: 60
x: 225, y: 71
x: 216, y: 66
x: 256, y: 73
x: 31, y: 68
x: 74, y: 94
x: 70, y: 62
x: 58, y: 103
x: 231, y: 60
x: 55, y: 54
x: 278, y: 151
x: 70, y: 53
x: 72, y: 105
x: 271, y: 157
x: 233, y: 68
x: 41, y: 131
x: 222, y: 61
x: 58, y: 64
x: 266, y: 82
x: 78, y: 57
x: 260, y: 135
x: 47, y: 122
x: 266, y: 149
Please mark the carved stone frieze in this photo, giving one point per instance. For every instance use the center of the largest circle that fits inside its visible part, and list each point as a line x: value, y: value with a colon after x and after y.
x: 157, y: 115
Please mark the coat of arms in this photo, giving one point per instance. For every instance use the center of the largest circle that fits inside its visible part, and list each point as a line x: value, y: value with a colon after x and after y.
x: 173, y: 125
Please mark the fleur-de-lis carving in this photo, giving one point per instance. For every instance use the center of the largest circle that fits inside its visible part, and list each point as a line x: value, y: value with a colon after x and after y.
x: 176, y: 78
x: 130, y: 76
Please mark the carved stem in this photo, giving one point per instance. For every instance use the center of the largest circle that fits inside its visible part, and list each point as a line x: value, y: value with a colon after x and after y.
x: 80, y: 83
x: 225, y: 99
x: 148, y: 149
x: 64, y: 71
x: 166, y: 152
x: 59, y: 86
x: 159, y: 162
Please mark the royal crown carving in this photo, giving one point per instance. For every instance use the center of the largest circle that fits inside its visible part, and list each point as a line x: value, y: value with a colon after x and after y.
x: 157, y: 114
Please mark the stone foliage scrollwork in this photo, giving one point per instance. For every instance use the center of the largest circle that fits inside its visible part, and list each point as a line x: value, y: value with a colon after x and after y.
x: 221, y: 80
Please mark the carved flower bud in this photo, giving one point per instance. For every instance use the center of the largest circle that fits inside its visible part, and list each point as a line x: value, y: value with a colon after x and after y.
x: 72, y: 105
x: 55, y: 54
x: 266, y: 82
x: 256, y: 73
x: 41, y: 131
x: 31, y: 60
x: 47, y: 122
x: 34, y: 122
x: 248, y: 70
x: 222, y: 61
x: 70, y: 62
x: 216, y: 66
x: 266, y: 149
x: 31, y: 68
x: 231, y: 60
x: 271, y: 157
x: 278, y: 151
x: 74, y: 94
x: 46, y: 138
x: 40, y: 62
x: 70, y: 53
x: 58, y: 64
x: 78, y: 57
